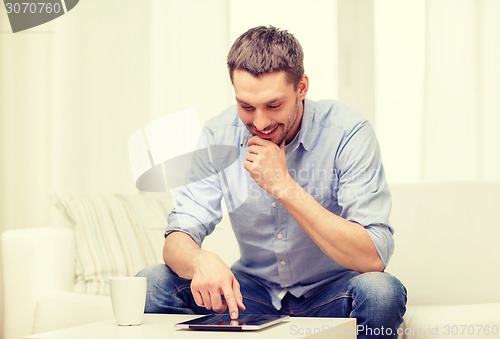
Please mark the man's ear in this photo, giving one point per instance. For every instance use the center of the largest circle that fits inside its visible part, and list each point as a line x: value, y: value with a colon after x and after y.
x: 303, y: 87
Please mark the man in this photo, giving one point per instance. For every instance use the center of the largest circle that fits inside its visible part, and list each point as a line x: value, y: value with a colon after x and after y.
x: 307, y: 199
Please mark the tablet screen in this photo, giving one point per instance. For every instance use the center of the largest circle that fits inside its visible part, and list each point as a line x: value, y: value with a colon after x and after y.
x: 223, y: 322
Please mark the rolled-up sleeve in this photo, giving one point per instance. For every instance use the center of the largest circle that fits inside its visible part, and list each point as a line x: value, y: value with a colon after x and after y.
x: 384, y: 243
x: 198, y: 210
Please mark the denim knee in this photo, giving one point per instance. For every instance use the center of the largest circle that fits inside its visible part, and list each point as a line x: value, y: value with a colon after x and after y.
x: 380, y: 288
x: 158, y: 276
x: 379, y: 301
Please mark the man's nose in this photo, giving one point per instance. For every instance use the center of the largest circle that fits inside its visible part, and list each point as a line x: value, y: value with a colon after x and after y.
x: 261, y: 120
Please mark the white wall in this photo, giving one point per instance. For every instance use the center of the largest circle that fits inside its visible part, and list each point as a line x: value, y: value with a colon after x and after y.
x: 436, y: 80
x: 399, y: 39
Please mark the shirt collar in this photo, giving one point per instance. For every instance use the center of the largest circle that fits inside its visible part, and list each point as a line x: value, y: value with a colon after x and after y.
x: 307, y: 128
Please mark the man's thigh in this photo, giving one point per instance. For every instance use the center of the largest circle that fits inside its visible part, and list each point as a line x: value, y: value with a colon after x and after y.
x: 255, y: 297
x: 333, y: 299
x: 168, y: 293
x: 354, y: 295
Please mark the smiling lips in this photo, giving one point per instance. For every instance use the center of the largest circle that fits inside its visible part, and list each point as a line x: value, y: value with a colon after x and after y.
x: 268, y: 134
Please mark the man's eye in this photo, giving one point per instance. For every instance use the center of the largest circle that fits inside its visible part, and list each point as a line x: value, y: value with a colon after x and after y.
x: 274, y: 106
x: 247, y: 108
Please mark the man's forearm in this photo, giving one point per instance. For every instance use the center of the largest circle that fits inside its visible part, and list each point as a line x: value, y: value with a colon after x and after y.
x: 348, y: 243
x: 179, y: 253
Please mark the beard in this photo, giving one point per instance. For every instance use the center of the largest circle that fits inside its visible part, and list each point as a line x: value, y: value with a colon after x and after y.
x: 288, y: 127
x: 282, y: 129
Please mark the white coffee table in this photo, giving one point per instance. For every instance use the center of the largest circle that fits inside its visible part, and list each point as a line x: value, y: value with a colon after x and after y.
x: 161, y: 326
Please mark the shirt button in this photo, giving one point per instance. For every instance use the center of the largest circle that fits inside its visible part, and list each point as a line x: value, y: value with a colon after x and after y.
x: 283, y: 262
x: 279, y: 236
x: 273, y: 204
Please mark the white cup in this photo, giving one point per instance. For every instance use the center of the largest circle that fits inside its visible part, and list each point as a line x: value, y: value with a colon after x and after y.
x: 128, y: 298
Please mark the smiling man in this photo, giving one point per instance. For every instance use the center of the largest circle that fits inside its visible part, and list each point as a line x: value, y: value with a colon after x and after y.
x: 309, y: 204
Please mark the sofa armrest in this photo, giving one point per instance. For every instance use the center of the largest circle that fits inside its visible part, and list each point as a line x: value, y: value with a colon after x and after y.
x: 35, y: 261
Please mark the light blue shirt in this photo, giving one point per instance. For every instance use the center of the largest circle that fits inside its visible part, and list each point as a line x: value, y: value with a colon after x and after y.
x: 335, y: 157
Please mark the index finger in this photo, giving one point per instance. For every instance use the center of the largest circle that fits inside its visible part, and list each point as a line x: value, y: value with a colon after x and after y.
x: 256, y: 140
x: 234, y: 299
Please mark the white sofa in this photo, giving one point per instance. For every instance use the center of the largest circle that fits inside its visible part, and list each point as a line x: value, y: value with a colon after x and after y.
x: 447, y: 256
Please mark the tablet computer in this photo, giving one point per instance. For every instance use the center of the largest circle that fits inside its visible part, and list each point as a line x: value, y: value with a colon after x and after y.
x: 223, y: 322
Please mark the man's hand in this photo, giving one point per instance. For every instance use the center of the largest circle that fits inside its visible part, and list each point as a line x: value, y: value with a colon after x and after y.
x: 215, y: 287
x: 266, y: 163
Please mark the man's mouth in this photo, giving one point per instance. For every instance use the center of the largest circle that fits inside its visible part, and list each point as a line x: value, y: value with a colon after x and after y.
x: 267, y: 134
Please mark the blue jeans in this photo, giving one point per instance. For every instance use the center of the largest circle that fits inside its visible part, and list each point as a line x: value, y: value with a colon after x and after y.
x: 377, y: 300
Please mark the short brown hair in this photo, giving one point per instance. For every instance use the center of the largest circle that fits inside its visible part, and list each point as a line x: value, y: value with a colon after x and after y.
x: 266, y: 49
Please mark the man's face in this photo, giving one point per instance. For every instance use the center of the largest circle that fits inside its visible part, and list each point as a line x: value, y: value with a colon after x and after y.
x: 269, y: 105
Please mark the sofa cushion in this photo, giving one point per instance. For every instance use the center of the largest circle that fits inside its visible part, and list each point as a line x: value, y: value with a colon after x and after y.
x: 116, y: 235
x: 447, y: 242
x: 452, y: 321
